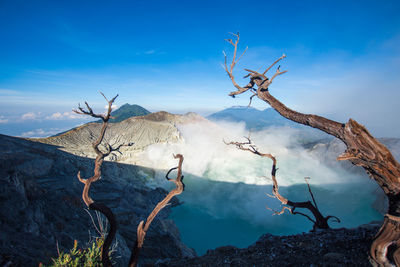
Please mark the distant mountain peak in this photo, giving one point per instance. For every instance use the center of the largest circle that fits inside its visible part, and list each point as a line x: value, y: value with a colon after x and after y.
x: 126, y: 105
x: 126, y: 111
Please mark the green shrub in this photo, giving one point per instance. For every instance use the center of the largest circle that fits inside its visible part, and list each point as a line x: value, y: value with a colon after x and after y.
x: 90, y: 256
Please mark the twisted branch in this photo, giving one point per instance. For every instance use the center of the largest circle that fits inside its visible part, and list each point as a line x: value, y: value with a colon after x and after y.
x: 320, y: 222
x: 276, y: 61
x: 144, y: 226
x: 96, y: 176
x: 256, y: 78
x: 229, y: 70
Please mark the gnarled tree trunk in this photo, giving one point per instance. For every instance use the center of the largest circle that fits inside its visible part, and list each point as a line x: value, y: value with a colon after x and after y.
x: 362, y: 150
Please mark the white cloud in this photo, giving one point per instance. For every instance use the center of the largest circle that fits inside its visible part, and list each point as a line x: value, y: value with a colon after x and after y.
x: 31, y: 116
x: 112, y: 107
x: 55, y: 116
x: 63, y: 116
x: 3, y: 119
x: 72, y: 115
x: 41, y: 132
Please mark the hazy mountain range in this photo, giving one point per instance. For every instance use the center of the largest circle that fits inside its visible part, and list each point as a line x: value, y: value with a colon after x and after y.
x: 255, y: 119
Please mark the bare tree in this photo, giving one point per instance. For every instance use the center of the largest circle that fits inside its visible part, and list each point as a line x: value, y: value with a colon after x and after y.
x: 90, y: 203
x: 144, y: 226
x: 319, y: 221
x: 362, y: 150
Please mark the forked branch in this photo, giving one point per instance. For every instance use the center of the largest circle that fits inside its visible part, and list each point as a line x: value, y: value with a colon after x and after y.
x: 96, y: 176
x: 229, y: 69
x: 256, y: 79
x: 319, y: 221
x: 144, y: 226
x: 89, y: 110
x: 100, y: 155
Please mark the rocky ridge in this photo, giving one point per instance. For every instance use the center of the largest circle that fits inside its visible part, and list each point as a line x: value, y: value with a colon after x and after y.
x: 334, y: 247
x: 140, y: 132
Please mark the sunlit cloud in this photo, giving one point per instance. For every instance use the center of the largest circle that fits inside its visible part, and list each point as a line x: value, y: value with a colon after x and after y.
x: 41, y: 132
x: 113, y: 107
x: 31, y: 116
x: 63, y: 116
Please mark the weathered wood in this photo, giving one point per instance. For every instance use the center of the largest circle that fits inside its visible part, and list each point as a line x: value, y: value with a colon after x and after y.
x: 144, y: 226
x: 90, y: 203
x: 385, y: 248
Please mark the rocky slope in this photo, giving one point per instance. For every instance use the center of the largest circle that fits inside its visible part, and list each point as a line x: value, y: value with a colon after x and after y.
x: 40, y: 196
x: 335, y: 247
x: 141, y: 131
x: 40, y: 205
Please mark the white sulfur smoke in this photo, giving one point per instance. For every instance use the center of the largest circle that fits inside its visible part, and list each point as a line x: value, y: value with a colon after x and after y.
x: 207, y: 156
x: 226, y: 187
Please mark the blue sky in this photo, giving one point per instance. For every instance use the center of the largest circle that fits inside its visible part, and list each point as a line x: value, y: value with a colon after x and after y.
x: 343, y: 58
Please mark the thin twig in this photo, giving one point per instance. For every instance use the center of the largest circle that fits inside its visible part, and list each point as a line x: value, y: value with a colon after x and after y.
x: 276, y: 61
x: 94, y: 224
x: 309, y: 190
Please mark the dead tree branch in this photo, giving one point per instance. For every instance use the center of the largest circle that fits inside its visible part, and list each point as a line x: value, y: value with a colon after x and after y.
x: 309, y: 190
x: 362, y: 150
x: 144, y: 226
x: 319, y: 221
x: 256, y: 78
x: 229, y: 69
x: 97, y: 174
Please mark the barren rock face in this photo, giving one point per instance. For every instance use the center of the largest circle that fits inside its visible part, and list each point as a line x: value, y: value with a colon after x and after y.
x: 333, y: 247
x: 159, y: 127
